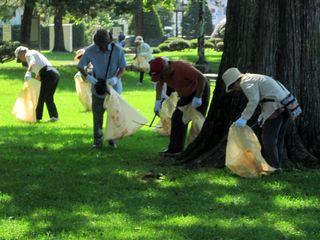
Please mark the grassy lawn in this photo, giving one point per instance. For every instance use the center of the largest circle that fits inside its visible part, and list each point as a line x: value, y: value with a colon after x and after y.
x: 53, y: 186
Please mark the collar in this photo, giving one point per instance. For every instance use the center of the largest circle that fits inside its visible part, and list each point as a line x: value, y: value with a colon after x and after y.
x: 98, y: 49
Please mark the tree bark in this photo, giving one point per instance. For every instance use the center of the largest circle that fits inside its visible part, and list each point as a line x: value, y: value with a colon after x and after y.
x: 138, y: 18
x: 26, y: 22
x: 279, y: 38
x: 58, y: 28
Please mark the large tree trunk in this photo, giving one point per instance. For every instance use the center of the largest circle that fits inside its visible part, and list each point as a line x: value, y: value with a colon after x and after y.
x: 279, y: 38
x: 58, y: 28
x: 26, y: 22
x: 138, y: 18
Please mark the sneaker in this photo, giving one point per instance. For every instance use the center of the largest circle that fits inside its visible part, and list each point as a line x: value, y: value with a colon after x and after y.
x: 97, y: 145
x: 53, y: 119
x: 112, y: 144
x: 167, y: 153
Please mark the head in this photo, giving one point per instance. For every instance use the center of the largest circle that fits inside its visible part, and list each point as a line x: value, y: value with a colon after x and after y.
x: 20, y: 54
x: 102, y: 38
x: 232, y: 79
x: 160, y: 69
x: 138, y: 40
x: 79, y: 55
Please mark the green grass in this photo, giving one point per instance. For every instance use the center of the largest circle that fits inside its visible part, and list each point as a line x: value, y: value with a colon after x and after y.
x: 52, y: 186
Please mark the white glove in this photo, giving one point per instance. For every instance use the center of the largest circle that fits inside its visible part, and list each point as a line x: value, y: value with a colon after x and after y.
x: 241, y: 122
x: 196, y: 102
x: 27, y: 76
x: 91, y: 79
x: 157, y: 106
x: 112, y: 81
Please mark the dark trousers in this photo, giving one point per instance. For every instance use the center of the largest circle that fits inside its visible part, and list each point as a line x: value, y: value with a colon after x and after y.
x: 273, y: 133
x: 178, y: 128
x: 98, y: 111
x: 141, y: 77
x: 49, y: 78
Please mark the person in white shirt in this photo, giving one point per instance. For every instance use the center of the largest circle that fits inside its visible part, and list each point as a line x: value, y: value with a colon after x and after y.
x: 48, y: 75
x: 143, y: 49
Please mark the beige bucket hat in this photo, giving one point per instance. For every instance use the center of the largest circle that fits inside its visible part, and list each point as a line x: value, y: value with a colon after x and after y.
x: 230, y: 76
x: 79, y: 54
x: 138, y: 39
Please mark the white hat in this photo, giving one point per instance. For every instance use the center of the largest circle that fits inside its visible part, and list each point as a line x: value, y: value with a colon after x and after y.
x: 138, y: 39
x: 230, y: 76
x: 79, y: 54
x: 20, y: 49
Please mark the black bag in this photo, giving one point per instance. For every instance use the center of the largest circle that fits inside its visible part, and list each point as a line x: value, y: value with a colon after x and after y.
x: 101, y: 86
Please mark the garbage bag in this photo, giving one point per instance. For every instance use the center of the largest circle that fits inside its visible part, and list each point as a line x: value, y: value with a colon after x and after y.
x: 142, y: 64
x: 83, y: 89
x: 192, y: 115
x: 25, y: 106
x: 165, y: 114
x: 243, y: 154
x: 122, y: 119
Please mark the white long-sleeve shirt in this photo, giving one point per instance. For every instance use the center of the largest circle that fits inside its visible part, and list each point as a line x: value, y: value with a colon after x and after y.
x: 145, y: 50
x: 39, y: 60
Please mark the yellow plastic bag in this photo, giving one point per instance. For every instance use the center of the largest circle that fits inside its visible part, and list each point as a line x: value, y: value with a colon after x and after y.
x: 142, y: 64
x: 243, y: 156
x: 192, y: 115
x: 165, y: 114
x: 25, y: 106
x: 122, y: 119
x: 83, y: 91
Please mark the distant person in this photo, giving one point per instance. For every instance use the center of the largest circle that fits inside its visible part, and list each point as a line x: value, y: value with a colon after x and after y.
x: 108, y: 63
x: 48, y: 76
x: 121, y: 39
x: 143, y: 52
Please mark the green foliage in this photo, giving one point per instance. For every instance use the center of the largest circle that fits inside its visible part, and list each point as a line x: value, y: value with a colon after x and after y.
x: 78, y: 39
x: 165, y: 16
x: 164, y: 47
x: 190, y: 20
x: 178, y: 45
x: 7, y: 51
x: 194, y: 43
x: 15, y: 32
x: 152, y: 25
x: 156, y: 50
x: 217, y: 43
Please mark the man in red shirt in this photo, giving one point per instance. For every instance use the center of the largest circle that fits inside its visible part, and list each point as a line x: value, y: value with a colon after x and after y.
x: 192, y: 88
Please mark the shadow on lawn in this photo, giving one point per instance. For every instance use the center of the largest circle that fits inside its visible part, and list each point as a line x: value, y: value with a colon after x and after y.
x: 55, y: 183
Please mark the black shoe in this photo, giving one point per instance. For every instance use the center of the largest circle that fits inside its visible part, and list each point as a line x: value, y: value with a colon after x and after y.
x: 112, y: 144
x: 168, y: 153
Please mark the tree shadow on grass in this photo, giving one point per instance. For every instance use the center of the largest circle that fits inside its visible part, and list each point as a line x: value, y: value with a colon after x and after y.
x: 53, y: 183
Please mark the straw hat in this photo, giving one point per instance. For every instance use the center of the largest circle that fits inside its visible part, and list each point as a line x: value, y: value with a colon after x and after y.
x: 79, y: 54
x: 230, y: 76
x: 138, y: 39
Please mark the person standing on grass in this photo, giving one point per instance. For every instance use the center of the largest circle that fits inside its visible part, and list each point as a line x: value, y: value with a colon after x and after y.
x: 192, y: 88
x: 108, y: 61
x: 274, y: 118
x: 142, y: 50
x: 48, y: 76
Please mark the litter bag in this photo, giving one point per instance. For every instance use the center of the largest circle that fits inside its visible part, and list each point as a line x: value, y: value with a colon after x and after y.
x: 142, y: 64
x: 165, y: 114
x: 243, y: 156
x: 25, y: 106
x: 197, y: 119
x: 83, y: 89
x: 122, y: 119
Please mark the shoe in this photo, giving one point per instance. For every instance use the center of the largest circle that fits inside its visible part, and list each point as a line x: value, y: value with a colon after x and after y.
x: 112, y: 144
x: 53, y: 119
x: 97, y: 145
x: 167, y: 153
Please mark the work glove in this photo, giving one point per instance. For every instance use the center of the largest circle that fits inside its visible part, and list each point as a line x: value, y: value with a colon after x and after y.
x: 91, y: 79
x: 27, y: 76
x: 157, y: 106
x: 196, y: 102
x: 112, y: 81
x: 241, y: 122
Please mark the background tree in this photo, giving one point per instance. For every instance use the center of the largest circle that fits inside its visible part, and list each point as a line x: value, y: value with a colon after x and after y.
x: 190, y: 20
x: 276, y: 38
x: 25, y: 32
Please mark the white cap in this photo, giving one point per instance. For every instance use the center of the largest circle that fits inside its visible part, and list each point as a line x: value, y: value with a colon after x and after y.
x: 20, y: 49
x: 138, y: 39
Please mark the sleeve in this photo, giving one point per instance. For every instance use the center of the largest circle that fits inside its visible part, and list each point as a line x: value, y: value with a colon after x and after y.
x: 30, y: 58
x: 251, y: 90
x: 122, y: 60
x: 84, y: 61
x: 145, y: 50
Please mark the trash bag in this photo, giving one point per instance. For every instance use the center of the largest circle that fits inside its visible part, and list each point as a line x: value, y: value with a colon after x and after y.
x: 142, y: 64
x: 192, y: 115
x: 25, y: 106
x: 122, y: 119
x: 83, y: 89
x: 165, y: 114
x: 243, y: 156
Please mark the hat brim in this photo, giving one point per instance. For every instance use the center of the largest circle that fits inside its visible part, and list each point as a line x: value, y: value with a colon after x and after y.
x: 228, y: 90
x: 78, y: 56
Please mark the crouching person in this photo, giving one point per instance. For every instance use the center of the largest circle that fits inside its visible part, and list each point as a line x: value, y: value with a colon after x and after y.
x: 108, y: 63
x: 269, y: 94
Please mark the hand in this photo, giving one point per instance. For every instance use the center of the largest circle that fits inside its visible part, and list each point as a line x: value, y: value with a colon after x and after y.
x: 157, y: 106
x: 241, y: 122
x: 196, y: 102
x: 112, y: 81
x: 91, y: 79
x: 27, y: 76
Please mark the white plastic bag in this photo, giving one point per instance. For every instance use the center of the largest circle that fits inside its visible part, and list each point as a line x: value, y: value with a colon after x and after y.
x: 25, y: 106
x: 243, y: 154
x: 122, y: 119
x: 142, y: 64
x: 83, y: 89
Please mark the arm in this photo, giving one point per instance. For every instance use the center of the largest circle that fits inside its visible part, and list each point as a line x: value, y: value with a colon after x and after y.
x: 120, y: 72
x: 251, y: 90
x: 201, y: 84
x: 159, y: 86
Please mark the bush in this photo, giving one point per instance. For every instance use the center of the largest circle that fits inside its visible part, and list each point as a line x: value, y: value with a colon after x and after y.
x: 78, y: 38
x: 194, y: 43
x: 217, y: 44
x: 7, y: 51
x: 152, y: 24
x: 156, y: 50
x: 164, y: 47
x: 178, y: 45
x: 208, y: 44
